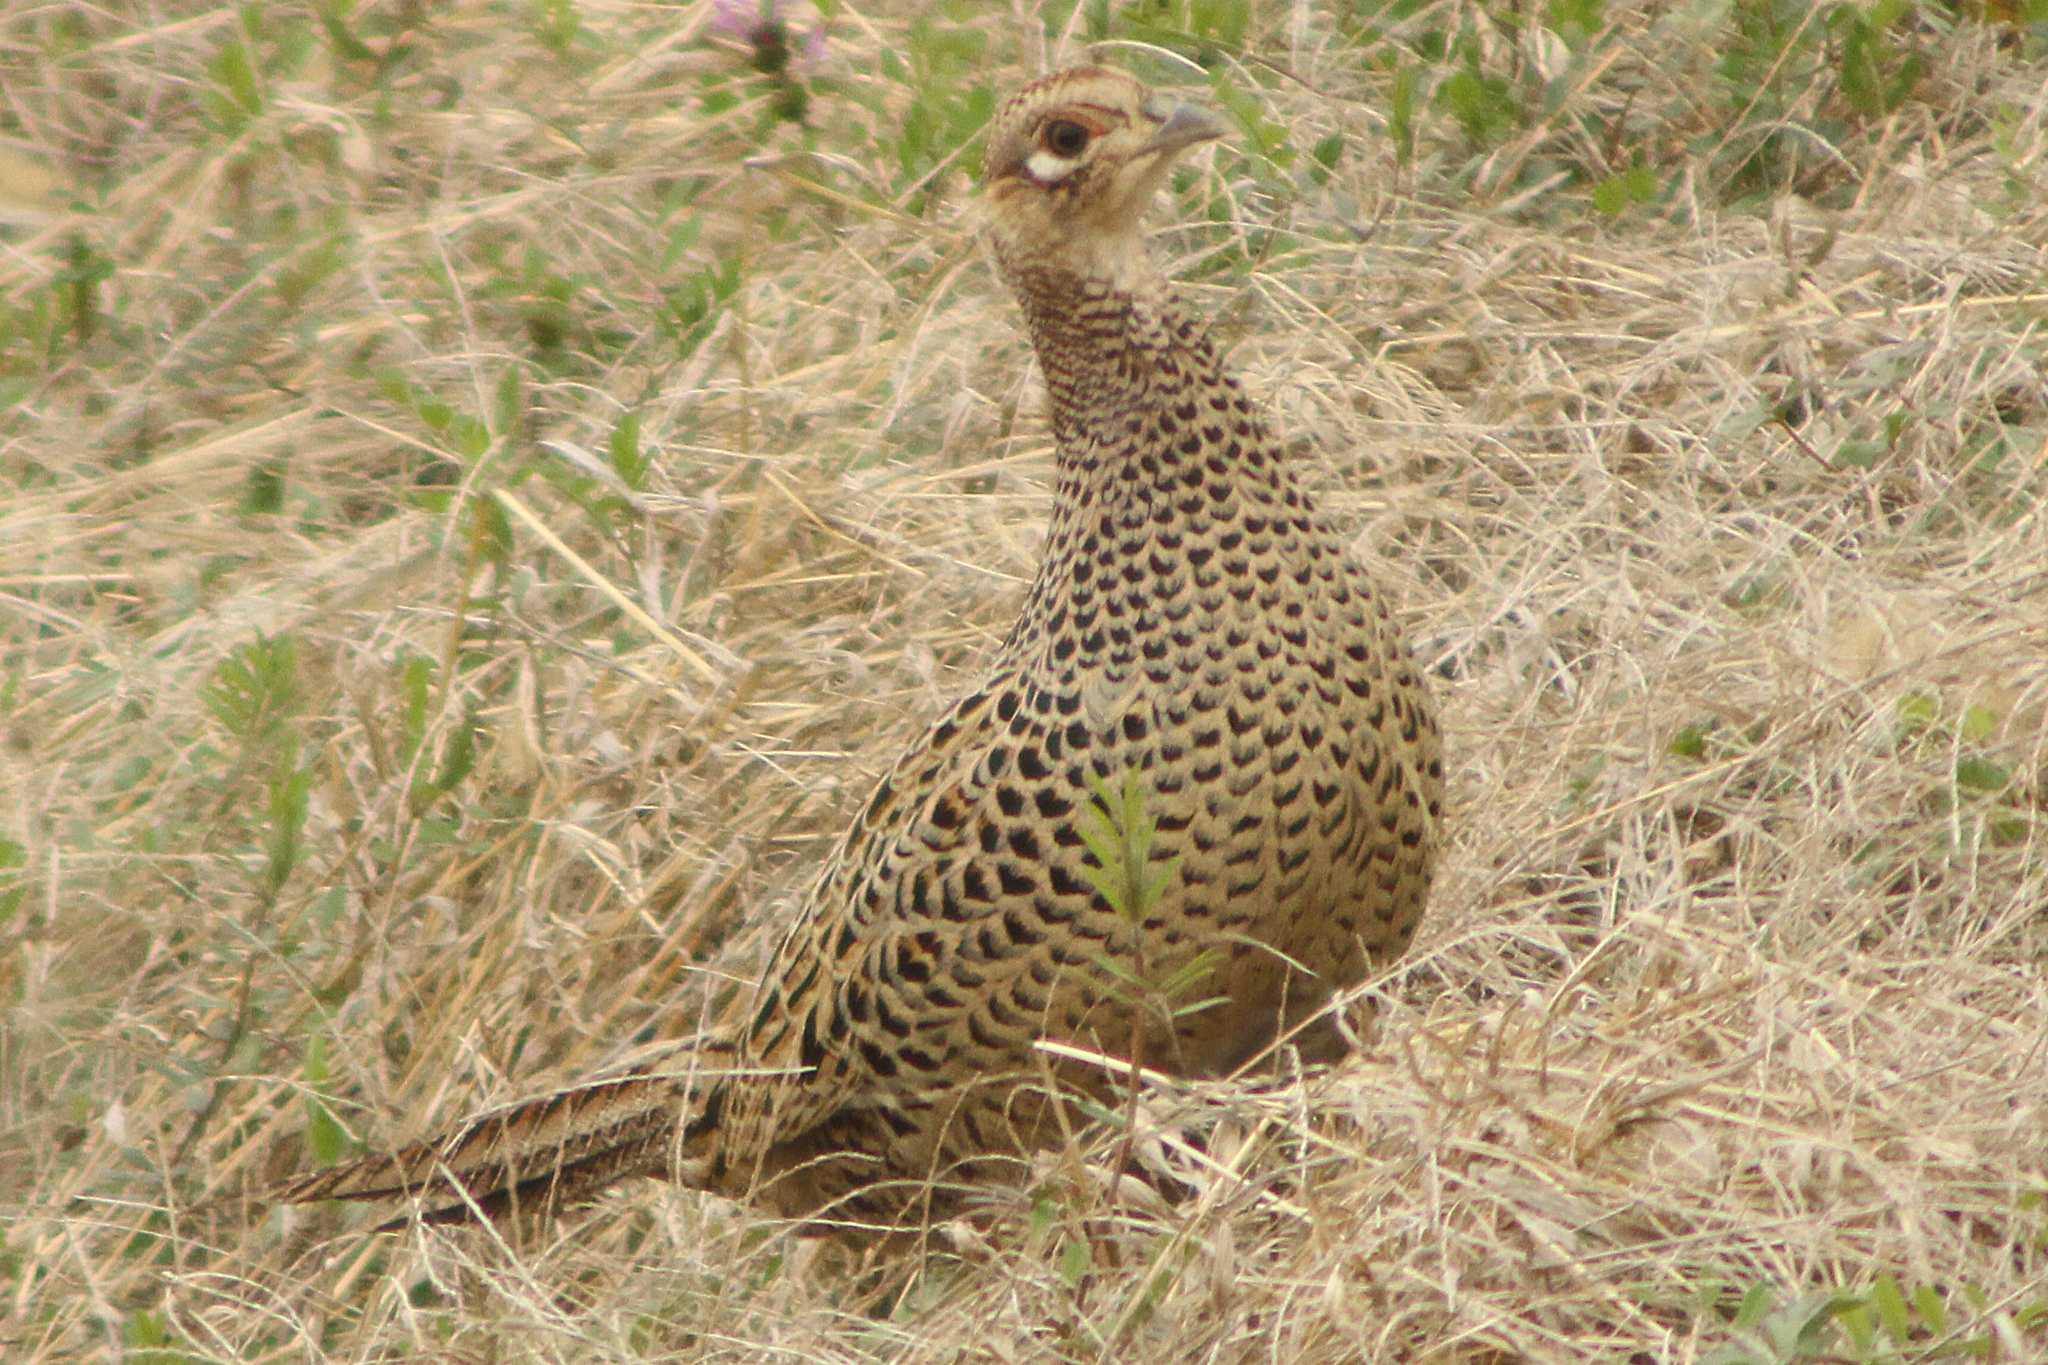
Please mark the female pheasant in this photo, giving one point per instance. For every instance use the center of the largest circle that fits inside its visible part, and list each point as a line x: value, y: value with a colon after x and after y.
x: 1195, y: 621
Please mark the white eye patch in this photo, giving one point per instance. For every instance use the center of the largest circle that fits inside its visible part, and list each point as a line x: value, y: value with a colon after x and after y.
x: 1046, y: 167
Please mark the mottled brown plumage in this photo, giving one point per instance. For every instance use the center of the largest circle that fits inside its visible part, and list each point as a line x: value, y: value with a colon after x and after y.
x: 1196, y: 621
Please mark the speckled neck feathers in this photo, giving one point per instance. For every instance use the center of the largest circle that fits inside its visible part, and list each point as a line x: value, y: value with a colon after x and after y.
x: 1162, y: 460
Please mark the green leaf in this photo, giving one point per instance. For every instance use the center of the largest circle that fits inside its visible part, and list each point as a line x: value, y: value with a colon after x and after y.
x: 1157, y: 880
x: 1636, y: 185
x: 1075, y: 1262
x: 493, y: 530
x: 508, y: 410
x: 284, y: 839
x: 415, y: 681
x: 435, y: 832
x: 256, y: 688
x: 13, y: 887
x: 1979, y: 723
x: 680, y: 239
x: 1859, y: 1322
x: 1575, y: 20
x: 1933, y: 1309
x: 1484, y: 106
x: 1690, y: 742
x: 241, y: 94
x: 472, y: 439
x: 263, y: 489
x: 627, y: 461
x: 435, y: 413
x: 458, y: 760
x: 325, y: 1136
x: 334, y: 17
x: 1891, y: 1309
x: 1116, y: 969
x: 1401, y: 114
x: 329, y: 908
x: 1982, y: 775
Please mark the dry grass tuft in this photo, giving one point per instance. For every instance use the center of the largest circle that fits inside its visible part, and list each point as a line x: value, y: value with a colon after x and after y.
x: 486, y: 492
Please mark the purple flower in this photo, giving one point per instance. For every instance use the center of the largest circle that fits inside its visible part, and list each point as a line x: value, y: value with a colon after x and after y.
x: 766, y: 27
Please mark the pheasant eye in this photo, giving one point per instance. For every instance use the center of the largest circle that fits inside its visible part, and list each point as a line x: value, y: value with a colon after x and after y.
x: 1064, y: 137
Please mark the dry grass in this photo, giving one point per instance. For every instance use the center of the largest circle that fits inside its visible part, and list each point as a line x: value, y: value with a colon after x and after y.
x: 1735, y: 978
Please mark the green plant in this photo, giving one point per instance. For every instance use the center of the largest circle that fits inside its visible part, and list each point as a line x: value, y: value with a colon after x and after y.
x: 690, y: 310
x: 1120, y: 836
x: 557, y: 26
x: 1795, y: 76
x: 76, y: 286
x: 1625, y: 189
x: 1482, y: 103
x: 1197, y: 28
x: 1980, y: 781
x: 1875, y: 70
x: 1885, y: 1324
x: 13, y: 883
x: 948, y: 108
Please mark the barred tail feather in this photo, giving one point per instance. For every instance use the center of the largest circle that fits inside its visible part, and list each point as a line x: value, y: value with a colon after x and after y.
x: 536, y: 1157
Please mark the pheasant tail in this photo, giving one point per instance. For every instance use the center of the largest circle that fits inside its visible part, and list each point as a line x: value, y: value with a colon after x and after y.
x: 536, y: 1157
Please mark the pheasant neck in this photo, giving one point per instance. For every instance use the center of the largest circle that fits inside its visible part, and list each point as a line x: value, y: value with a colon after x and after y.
x: 1170, y: 492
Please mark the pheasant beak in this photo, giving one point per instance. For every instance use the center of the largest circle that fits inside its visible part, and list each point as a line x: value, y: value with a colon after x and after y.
x: 1181, y: 125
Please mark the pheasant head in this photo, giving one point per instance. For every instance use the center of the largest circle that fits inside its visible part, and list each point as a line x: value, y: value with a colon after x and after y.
x: 1073, y: 161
